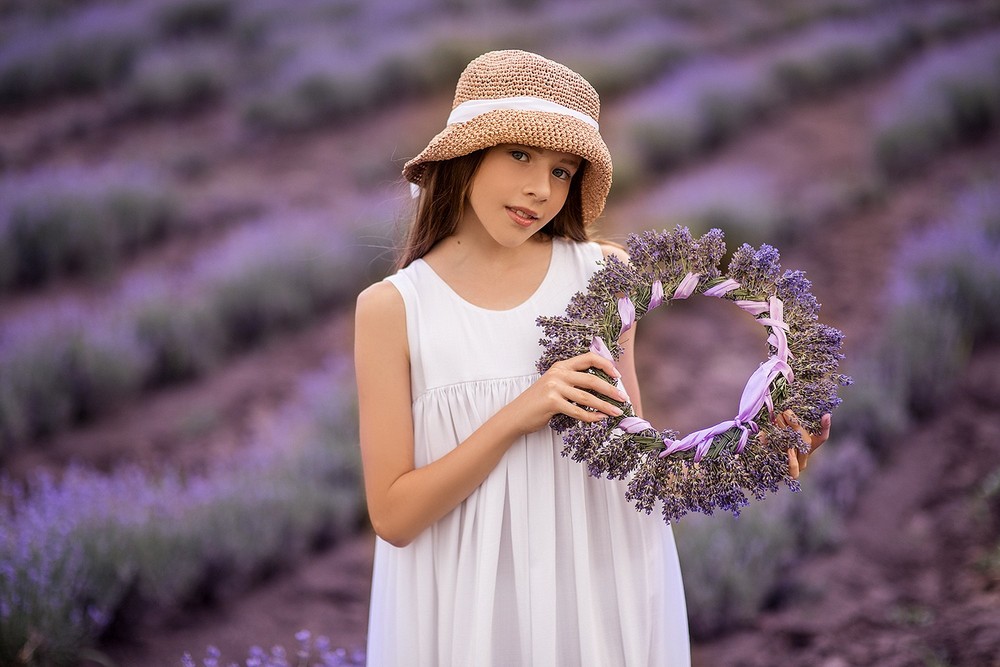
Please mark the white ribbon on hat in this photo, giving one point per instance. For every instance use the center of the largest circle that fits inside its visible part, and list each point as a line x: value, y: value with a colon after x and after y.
x: 470, y: 109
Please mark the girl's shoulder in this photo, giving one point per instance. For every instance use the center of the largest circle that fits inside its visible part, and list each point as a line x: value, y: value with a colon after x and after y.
x: 380, y: 304
x: 593, y: 249
x: 607, y: 248
x: 610, y: 248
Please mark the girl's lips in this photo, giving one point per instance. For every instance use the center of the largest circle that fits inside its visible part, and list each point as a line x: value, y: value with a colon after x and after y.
x: 523, y: 217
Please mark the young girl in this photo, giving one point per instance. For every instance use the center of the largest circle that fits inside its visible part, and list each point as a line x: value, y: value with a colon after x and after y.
x: 492, y: 548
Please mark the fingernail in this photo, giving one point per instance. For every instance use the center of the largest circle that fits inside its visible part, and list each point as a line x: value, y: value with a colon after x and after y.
x: 616, y: 411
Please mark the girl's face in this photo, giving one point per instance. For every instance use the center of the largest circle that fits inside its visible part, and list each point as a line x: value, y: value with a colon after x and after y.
x: 517, y: 190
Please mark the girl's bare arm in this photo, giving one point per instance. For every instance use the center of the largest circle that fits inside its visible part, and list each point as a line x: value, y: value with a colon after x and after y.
x: 403, y: 500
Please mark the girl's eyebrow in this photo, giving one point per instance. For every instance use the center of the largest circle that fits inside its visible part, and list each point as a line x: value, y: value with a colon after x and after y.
x: 571, y: 160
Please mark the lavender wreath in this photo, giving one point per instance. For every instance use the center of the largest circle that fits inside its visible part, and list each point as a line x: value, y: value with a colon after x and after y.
x: 721, y: 466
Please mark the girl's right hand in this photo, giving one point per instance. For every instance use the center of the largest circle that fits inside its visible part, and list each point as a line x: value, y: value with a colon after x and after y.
x: 563, y: 389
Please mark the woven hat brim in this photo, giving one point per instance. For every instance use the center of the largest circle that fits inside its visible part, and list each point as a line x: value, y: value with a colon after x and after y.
x: 540, y: 129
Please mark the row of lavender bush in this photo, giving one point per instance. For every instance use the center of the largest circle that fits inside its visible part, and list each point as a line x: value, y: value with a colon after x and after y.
x: 66, y: 362
x: 989, y: 502
x: 89, y: 47
x: 62, y: 221
x: 941, y: 304
x: 313, y: 79
x: 945, y: 99
x: 292, y: 66
x: 751, y: 201
x: 710, y: 100
x: 309, y: 652
x: 88, y: 550
x: 747, y: 201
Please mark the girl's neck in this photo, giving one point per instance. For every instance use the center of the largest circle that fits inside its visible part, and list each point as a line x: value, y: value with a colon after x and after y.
x: 490, y: 275
x: 471, y: 245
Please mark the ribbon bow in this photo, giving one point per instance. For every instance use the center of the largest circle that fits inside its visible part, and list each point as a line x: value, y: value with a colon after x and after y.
x: 757, y: 392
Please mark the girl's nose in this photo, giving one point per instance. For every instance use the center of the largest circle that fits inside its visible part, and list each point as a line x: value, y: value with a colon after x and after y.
x: 537, y: 184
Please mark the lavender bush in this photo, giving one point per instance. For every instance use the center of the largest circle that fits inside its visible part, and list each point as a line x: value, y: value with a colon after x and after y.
x: 691, y: 110
x: 741, y: 199
x: 309, y: 652
x: 317, y: 70
x: 179, y: 81
x: 63, y: 367
x: 838, y: 53
x: 61, y: 364
x: 717, y: 552
x: 75, y: 549
x: 271, y: 277
x: 988, y: 501
x: 947, y: 98
x: 87, y: 50
x: 940, y: 297
x: 64, y: 221
x: 183, y: 18
x: 301, y: 64
x: 945, y: 293
x: 712, y: 99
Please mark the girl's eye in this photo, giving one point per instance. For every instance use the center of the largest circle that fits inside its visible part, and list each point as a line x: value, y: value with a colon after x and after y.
x: 519, y: 155
x: 562, y: 174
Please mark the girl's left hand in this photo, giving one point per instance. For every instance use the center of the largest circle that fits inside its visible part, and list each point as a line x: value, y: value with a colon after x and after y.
x: 797, y: 461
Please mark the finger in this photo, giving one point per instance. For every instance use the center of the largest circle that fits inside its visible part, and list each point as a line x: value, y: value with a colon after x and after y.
x: 592, y: 382
x: 788, y: 419
x: 579, y: 412
x: 803, y: 460
x: 585, y: 398
x: 587, y: 360
x: 793, y: 464
x: 825, y: 422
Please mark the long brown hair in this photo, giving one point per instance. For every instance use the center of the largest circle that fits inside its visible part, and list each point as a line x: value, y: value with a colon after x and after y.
x: 445, y: 189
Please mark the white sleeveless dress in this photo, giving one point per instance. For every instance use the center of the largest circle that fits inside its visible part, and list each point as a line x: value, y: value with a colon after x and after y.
x: 542, y: 564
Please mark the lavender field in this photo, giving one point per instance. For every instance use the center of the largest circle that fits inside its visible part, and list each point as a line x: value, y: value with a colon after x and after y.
x: 192, y: 192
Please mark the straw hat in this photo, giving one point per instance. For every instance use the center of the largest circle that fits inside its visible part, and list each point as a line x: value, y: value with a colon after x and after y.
x: 518, y: 97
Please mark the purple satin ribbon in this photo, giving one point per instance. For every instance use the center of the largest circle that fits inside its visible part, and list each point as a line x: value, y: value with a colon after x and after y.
x: 626, y: 311
x: 723, y: 288
x: 686, y: 286
x: 626, y: 308
x: 757, y: 392
x: 634, y: 425
x: 598, y: 346
x: 655, y: 295
x: 753, y: 307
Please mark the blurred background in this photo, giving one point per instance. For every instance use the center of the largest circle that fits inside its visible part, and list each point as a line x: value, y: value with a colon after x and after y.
x: 192, y: 192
